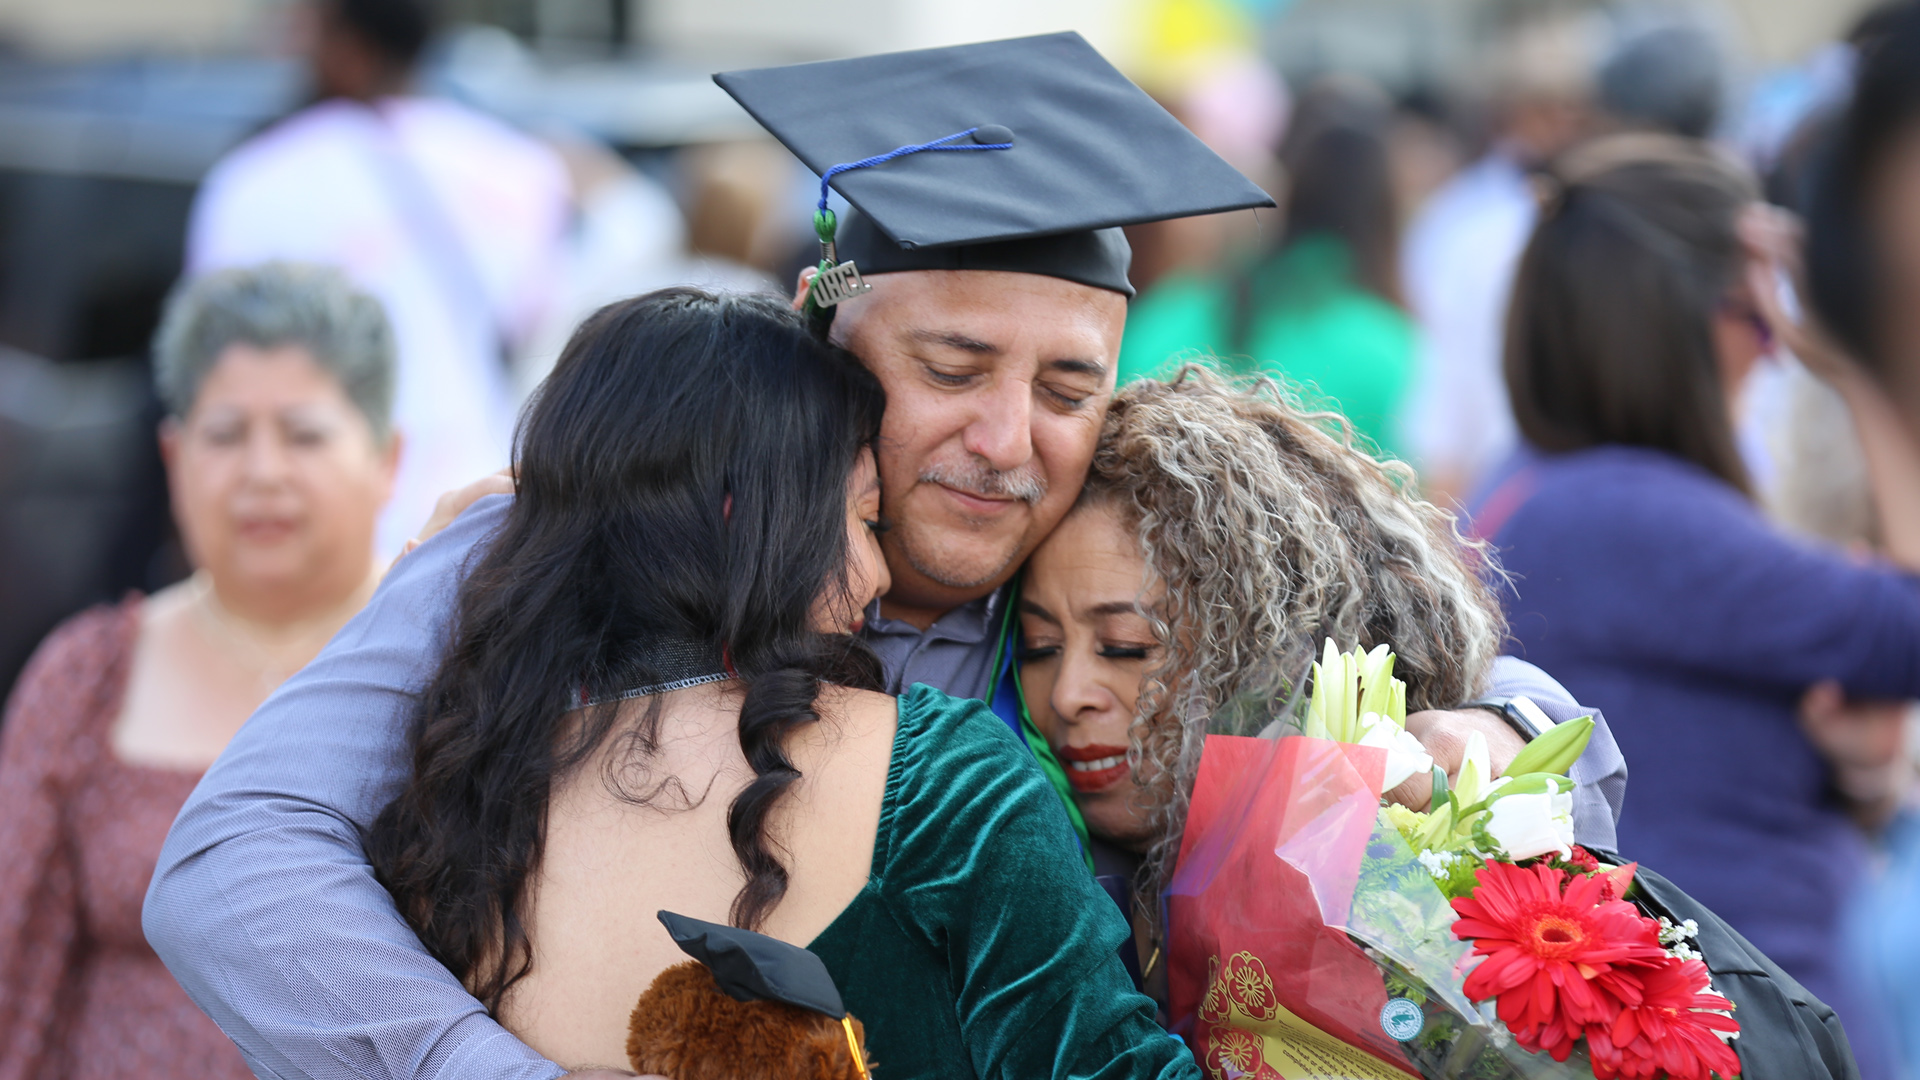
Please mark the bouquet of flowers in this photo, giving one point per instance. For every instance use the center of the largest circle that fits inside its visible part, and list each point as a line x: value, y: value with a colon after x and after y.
x: 1316, y: 931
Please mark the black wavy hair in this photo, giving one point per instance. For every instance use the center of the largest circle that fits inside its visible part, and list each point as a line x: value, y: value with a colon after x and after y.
x: 1844, y: 279
x: 398, y: 29
x: 682, y: 478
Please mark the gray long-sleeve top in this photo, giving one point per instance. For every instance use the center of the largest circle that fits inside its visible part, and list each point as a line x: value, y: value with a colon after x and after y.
x: 264, y: 905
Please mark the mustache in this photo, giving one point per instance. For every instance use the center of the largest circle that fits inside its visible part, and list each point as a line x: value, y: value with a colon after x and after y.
x: 976, y: 477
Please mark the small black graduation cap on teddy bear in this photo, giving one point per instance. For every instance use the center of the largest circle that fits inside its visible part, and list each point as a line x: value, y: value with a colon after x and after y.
x: 746, y: 1007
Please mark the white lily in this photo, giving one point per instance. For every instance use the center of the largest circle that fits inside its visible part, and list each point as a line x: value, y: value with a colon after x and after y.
x: 1405, y: 756
x: 1528, y: 825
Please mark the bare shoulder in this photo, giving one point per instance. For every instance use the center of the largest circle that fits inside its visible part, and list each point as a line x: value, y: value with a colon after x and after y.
x: 860, y: 705
x: 855, y: 724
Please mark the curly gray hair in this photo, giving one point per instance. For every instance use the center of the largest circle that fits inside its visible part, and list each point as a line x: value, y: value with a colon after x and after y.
x: 277, y: 303
x: 1271, y: 532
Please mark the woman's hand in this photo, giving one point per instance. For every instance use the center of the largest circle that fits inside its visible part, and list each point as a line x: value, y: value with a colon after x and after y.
x: 1772, y: 240
x: 455, y: 502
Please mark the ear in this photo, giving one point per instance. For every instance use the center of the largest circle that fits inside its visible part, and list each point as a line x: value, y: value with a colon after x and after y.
x: 392, y: 452
x: 169, y: 435
x: 804, y: 286
x: 391, y: 455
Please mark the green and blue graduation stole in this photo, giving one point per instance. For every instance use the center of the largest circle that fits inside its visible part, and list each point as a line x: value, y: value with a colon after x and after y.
x: 1009, y: 703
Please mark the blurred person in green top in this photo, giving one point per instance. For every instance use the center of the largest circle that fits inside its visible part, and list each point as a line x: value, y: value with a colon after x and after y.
x: 1318, y: 304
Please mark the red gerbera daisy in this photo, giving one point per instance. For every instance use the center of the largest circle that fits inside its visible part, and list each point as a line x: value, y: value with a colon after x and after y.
x: 1559, y: 956
x: 1671, y: 1031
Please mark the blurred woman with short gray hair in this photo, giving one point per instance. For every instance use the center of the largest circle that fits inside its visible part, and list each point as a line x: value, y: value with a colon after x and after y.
x: 278, y: 384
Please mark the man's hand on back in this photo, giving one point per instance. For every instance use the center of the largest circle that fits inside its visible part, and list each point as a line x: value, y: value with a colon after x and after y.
x: 454, y: 503
x: 1444, y: 733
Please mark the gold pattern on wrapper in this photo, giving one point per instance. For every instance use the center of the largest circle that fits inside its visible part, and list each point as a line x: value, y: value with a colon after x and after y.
x: 1253, y: 1036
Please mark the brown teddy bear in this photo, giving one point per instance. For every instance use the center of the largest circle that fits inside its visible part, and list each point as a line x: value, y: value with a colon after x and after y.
x: 748, y: 1007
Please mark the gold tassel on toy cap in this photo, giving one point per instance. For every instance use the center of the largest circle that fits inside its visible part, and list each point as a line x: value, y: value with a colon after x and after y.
x: 853, y: 1044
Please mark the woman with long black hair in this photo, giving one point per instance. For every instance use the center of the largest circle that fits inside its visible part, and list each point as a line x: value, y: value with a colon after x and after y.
x: 652, y: 699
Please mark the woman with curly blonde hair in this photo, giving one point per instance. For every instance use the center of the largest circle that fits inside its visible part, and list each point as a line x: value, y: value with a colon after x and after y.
x: 1222, y: 535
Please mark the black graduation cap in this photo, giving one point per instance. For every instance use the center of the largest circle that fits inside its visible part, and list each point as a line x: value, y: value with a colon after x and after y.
x: 755, y: 967
x: 1089, y: 152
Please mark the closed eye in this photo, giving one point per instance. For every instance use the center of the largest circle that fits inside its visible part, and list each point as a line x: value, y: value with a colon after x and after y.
x: 1067, y: 400
x: 1125, y: 652
x: 1032, y: 655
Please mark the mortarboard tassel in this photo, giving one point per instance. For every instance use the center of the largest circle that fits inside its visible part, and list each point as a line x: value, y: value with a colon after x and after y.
x: 839, y: 281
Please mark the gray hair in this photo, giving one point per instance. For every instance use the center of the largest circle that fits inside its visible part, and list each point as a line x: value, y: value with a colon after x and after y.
x: 1272, y: 532
x: 273, y: 304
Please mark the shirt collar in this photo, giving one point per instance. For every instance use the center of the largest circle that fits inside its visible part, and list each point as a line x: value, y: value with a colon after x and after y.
x: 970, y: 623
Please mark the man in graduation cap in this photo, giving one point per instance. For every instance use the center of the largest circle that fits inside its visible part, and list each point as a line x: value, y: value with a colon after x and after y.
x: 984, y: 281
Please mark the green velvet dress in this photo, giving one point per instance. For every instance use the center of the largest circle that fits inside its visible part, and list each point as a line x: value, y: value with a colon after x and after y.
x: 980, y: 946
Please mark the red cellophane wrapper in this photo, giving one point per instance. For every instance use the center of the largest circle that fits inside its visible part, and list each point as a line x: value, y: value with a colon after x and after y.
x: 1305, y: 940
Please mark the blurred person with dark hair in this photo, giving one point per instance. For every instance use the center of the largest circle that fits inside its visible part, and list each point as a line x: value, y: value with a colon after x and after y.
x: 1671, y: 79
x: 1462, y: 246
x: 452, y: 219
x: 1641, y: 572
x: 1319, y: 306
x: 1863, y: 220
x: 1862, y: 281
x: 278, y: 382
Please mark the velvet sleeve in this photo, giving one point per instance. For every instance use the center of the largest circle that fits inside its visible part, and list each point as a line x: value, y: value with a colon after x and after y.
x: 988, y: 868
x: 58, y: 696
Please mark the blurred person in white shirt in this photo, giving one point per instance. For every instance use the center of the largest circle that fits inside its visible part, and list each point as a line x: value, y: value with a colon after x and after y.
x: 1460, y: 254
x: 1460, y: 251
x: 453, y: 220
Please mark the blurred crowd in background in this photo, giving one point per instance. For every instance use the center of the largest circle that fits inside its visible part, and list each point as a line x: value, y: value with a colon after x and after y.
x: 526, y: 161
x: 536, y: 160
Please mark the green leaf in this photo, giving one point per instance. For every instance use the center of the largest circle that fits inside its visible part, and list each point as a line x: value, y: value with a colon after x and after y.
x: 1555, y: 750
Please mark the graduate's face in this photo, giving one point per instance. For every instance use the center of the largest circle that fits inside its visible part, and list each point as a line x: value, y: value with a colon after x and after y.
x: 1086, y: 645
x: 866, y: 567
x: 996, y: 387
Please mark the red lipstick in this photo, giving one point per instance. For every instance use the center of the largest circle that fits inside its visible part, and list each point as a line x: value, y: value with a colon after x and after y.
x: 1093, y: 768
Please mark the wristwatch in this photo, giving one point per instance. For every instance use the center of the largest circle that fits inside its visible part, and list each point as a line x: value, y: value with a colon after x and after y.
x: 1519, y: 712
